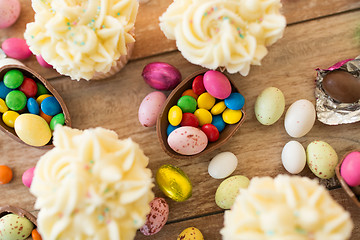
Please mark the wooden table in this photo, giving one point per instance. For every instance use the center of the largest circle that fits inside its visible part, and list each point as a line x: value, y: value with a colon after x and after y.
x: 319, y: 34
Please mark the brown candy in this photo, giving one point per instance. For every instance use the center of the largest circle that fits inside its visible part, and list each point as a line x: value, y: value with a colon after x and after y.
x: 342, y: 86
x: 7, y: 209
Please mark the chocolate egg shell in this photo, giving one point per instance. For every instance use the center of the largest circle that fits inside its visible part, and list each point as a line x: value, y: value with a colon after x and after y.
x: 162, y: 121
x: 35, y: 76
x: 8, y: 209
x: 342, y: 86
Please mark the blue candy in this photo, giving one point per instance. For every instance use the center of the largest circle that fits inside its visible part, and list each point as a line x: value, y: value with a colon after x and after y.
x: 50, y: 106
x: 235, y: 101
x: 33, y: 106
x: 171, y: 128
x: 218, y: 122
x: 4, y: 90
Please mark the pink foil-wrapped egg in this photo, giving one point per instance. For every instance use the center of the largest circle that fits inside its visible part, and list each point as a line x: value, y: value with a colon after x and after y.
x: 156, y: 219
x: 9, y: 12
x: 42, y: 62
x: 16, y: 48
x: 350, y: 169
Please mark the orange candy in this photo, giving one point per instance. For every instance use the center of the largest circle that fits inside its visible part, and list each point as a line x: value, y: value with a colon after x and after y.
x: 46, y: 117
x: 35, y: 235
x: 6, y: 174
x: 190, y: 93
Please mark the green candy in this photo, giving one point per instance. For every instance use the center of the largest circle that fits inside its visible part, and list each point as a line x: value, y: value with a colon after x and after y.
x: 13, y: 79
x: 187, y: 104
x: 14, y: 227
x: 41, y: 89
x: 16, y: 100
x: 57, y: 119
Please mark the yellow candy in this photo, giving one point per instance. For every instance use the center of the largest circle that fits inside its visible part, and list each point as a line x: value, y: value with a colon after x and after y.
x: 206, y: 101
x: 231, y: 116
x: 32, y: 129
x: 174, y: 183
x: 191, y: 233
x: 42, y: 97
x: 9, y: 118
x: 203, y: 115
x: 218, y: 108
x: 3, y: 107
x: 175, y: 115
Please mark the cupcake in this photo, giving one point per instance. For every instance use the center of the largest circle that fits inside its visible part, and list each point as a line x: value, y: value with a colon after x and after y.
x: 230, y: 34
x: 83, y: 39
x: 286, y: 208
x: 91, y: 186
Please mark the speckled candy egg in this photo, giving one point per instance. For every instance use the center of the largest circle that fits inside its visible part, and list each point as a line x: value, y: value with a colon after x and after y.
x: 156, y: 219
x: 228, y: 190
x: 269, y: 106
x: 187, y: 140
x: 150, y: 108
x: 190, y: 233
x: 322, y: 159
x: 14, y: 227
x: 9, y: 12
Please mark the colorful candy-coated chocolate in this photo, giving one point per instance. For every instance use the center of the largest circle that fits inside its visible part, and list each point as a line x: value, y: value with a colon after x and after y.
x: 218, y: 122
x: 9, y: 12
x: 13, y: 78
x: 156, y: 219
x: 174, y: 183
x: 218, y: 108
x: 41, y: 89
x: 228, y: 190
x: 14, y: 227
x: 198, y: 85
x: 187, y: 140
x: 187, y: 104
x: 50, y: 106
x: 16, y: 48
x: 41, y: 98
x: 203, y: 115
x: 32, y: 129
x: 206, y: 101
x: 211, y: 132
x: 3, y: 107
x: 235, y: 101
x: 4, y: 90
x: 42, y: 62
x: 33, y: 106
x: 28, y: 87
x: 150, y: 108
x: 175, y: 115
x: 47, y: 118
x: 9, y: 118
x: 232, y: 116
x: 190, y: 93
x: 28, y: 176
x: 189, y: 119
x: 57, y: 119
x: 217, y: 84
x: 6, y: 175
x: 190, y: 233
x: 350, y: 169
x: 171, y: 128
x: 16, y: 100
x: 35, y: 235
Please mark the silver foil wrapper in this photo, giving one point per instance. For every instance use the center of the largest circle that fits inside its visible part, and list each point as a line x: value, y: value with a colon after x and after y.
x: 328, y: 110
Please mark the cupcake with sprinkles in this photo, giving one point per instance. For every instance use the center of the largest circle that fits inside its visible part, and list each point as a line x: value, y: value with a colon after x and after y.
x: 230, y: 34
x: 90, y: 39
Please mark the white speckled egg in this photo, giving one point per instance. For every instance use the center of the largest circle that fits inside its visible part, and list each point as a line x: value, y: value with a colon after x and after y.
x: 187, y: 140
x: 300, y: 118
x: 222, y: 165
x: 293, y: 157
x: 269, y: 106
x: 322, y: 159
x: 150, y: 108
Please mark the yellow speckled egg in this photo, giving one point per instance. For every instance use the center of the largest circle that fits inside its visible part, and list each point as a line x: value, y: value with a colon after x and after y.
x: 322, y: 159
x: 190, y: 233
x: 269, y: 106
x: 174, y: 183
x: 32, y: 129
x: 228, y: 190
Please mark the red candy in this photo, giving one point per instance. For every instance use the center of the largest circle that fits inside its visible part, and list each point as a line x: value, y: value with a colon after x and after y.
x: 211, y: 132
x: 29, y: 87
x: 189, y: 119
x: 198, y: 85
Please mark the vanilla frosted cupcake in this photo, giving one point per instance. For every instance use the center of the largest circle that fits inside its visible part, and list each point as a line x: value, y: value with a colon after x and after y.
x: 83, y: 39
x: 295, y: 208
x: 224, y: 33
x: 91, y: 186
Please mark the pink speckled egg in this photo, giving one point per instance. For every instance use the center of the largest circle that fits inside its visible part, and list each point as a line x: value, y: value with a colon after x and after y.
x: 150, y: 108
x: 217, y: 84
x: 16, y: 48
x: 350, y: 169
x: 156, y: 219
x: 187, y: 140
x: 42, y: 62
x: 28, y: 176
x: 9, y: 12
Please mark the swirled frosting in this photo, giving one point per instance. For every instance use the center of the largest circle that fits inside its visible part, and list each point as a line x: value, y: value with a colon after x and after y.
x: 80, y: 38
x: 224, y: 33
x: 91, y: 186
x: 286, y: 207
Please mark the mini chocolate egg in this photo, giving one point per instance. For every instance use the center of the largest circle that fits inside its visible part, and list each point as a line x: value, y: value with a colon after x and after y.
x: 150, y: 108
x: 174, y: 183
x: 156, y: 219
x: 228, y: 190
x: 190, y: 233
x: 293, y: 157
x: 187, y: 140
x: 222, y: 165
x: 217, y: 84
x: 161, y: 76
x: 269, y: 106
x: 322, y: 159
x: 14, y: 227
x: 350, y: 169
